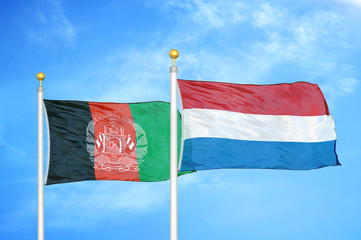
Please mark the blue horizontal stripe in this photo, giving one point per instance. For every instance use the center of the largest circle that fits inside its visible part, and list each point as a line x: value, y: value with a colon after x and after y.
x: 215, y: 153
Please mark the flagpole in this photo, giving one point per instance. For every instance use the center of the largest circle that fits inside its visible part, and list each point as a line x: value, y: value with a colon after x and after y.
x: 173, y: 148
x: 40, y: 76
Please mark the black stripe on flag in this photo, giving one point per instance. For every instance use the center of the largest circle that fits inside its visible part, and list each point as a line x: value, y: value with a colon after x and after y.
x: 70, y: 156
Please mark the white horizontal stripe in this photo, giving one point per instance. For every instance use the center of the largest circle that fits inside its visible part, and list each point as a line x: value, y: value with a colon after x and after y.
x: 254, y: 127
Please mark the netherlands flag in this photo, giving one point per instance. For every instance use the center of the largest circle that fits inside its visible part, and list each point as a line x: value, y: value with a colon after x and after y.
x: 281, y: 126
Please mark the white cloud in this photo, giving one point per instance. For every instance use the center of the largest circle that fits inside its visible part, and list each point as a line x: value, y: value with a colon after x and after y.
x: 132, y: 76
x: 339, y: 87
x: 207, y: 65
x: 311, y: 41
x: 268, y: 16
x: 304, y: 34
x: 347, y: 85
x: 215, y: 14
x: 352, y: 2
x: 53, y: 24
x: 218, y: 15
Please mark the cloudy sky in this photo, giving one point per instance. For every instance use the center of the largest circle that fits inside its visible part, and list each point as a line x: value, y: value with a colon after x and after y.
x: 117, y: 51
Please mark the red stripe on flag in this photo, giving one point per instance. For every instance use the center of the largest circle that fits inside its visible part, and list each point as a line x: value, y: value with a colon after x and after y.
x: 298, y: 99
x: 115, y: 155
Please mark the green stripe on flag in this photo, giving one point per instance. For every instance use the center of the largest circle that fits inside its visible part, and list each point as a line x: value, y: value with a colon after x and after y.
x: 152, y: 126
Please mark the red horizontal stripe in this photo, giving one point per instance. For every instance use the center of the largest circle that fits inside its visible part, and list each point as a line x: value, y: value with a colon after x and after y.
x: 298, y: 99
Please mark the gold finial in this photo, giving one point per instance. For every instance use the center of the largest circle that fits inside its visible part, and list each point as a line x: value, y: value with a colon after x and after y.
x: 40, y: 76
x: 173, y: 54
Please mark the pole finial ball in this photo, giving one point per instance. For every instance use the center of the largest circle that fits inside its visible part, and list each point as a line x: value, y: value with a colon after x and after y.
x: 40, y: 76
x: 173, y: 53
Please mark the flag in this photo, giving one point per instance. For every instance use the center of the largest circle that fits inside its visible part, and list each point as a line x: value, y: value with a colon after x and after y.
x: 281, y: 126
x: 108, y: 141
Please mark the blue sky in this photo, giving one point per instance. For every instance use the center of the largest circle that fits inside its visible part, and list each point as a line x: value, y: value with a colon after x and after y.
x: 118, y: 51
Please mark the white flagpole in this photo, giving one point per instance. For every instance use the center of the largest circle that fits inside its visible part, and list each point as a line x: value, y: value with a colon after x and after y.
x: 40, y: 76
x: 173, y: 148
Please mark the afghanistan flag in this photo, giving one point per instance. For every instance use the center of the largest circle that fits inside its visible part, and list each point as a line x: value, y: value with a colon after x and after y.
x: 108, y: 141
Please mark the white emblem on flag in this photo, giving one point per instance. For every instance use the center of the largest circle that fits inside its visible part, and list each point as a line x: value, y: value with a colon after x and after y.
x: 114, y: 148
